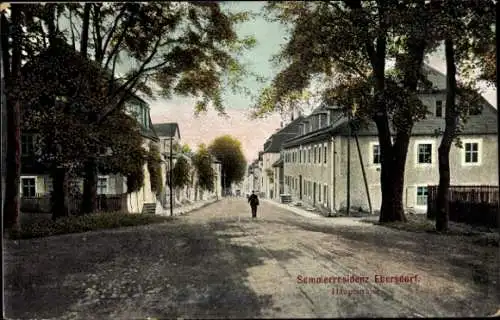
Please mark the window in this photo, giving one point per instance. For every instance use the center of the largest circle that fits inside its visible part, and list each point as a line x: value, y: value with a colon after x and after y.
x: 27, y: 146
x: 471, y: 152
x: 49, y: 186
x: 421, y: 196
x: 325, y: 157
x: 439, y: 108
x: 319, y: 154
x: 319, y: 193
x: 325, y: 192
x: 376, y: 154
x: 425, y: 153
x: 315, y: 157
x: 102, y: 185
x: 300, y: 156
x: 28, y: 187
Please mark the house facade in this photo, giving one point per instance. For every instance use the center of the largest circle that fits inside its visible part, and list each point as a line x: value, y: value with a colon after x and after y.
x: 315, y: 161
x: 36, y: 182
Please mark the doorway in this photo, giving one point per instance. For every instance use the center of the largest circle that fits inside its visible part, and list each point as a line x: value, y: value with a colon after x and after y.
x: 300, y: 187
x: 314, y: 194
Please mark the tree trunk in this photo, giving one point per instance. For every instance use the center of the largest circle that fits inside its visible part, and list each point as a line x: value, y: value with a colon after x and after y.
x: 60, y: 195
x: 392, y: 181
x: 13, y: 158
x: 89, y: 201
x: 85, y: 29
x: 451, y: 116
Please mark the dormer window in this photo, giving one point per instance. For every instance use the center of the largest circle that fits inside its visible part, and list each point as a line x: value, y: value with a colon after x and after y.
x: 439, y: 109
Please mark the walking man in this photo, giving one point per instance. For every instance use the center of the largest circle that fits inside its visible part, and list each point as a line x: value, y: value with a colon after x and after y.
x: 254, y: 202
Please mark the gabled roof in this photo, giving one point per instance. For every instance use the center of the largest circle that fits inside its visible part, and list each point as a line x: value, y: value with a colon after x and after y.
x: 167, y: 129
x: 483, y: 123
x: 275, y: 142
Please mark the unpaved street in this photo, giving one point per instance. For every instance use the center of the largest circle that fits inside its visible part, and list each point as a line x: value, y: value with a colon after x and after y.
x: 217, y: 262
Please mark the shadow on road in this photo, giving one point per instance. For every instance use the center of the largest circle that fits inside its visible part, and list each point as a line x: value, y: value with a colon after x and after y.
x: 451, y: 257
x: 169, y: 270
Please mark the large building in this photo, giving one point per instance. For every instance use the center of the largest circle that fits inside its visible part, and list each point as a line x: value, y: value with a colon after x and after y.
x: 272, y: 151
x: 315, y: 160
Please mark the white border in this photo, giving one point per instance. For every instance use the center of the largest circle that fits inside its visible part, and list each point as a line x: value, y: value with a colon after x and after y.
x: 107, y: 183
x: 21, y: 184
x: 479, y: 142
x: 370, y: 153
x: 433, y: 153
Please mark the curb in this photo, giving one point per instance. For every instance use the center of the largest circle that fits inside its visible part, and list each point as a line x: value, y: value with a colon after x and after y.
x: 196, y: 208
x: 297, y: 211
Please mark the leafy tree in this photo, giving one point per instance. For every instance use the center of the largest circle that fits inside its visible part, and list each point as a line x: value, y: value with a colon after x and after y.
x: 187, y: 48
x: 181, y: 173
x: 227, y: 150
x: 184, y: 47
x: 457, y: 23
x: 11, y: 66
x: 347, y: 45
x: 185, y: 149
x: 203, y: 162
x: 154, y: 168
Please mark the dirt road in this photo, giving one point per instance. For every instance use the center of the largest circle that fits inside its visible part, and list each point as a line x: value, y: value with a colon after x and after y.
x: 219, y: 263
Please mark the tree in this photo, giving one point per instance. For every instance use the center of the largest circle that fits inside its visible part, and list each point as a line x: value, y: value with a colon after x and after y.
x: 185, y: 149
x: 347, y: 43
x: 181, y: 173
x: 186, y: 48
x: 12, y: 68
x: 203, y: 162
x: 227, y: 150
x: 154, y: 168
x: 457, y: 22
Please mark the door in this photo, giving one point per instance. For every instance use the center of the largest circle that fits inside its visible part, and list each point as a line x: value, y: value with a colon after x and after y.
x: 314, y: 194
x: 300, y: 187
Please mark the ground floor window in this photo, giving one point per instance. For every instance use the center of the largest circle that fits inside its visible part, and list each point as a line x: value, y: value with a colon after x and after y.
x: 421, y: 196
x: 28, y: 187
x: 102, y: 185
x: 325, y: 194
x: 319, y: 192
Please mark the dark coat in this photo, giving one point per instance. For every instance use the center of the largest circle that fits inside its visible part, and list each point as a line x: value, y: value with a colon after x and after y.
x: 253, y: 200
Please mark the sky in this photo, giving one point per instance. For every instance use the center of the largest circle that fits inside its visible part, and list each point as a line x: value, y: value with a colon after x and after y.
x: 251, y: 133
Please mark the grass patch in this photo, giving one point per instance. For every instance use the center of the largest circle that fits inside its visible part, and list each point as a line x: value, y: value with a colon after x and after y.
x: 414, y: 224
x: 481, y: 236
x: 78, y: 224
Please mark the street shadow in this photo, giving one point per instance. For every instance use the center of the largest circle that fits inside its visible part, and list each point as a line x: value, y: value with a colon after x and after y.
x: 168, y: 270
x: 451, y: 257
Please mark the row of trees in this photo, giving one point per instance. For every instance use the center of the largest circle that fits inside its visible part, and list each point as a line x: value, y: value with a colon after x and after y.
x: 226, y: 149
x: 61, y: 64
x: 347, y: 44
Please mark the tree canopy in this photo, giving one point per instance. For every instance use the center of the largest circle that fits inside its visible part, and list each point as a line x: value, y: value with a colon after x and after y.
x: 227, y: 150
x: 203, y: 163
x: 347, y: 44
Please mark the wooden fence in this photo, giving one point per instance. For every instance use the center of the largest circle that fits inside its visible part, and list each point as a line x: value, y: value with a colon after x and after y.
x: 42, y: 203
x: 475, y: 205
